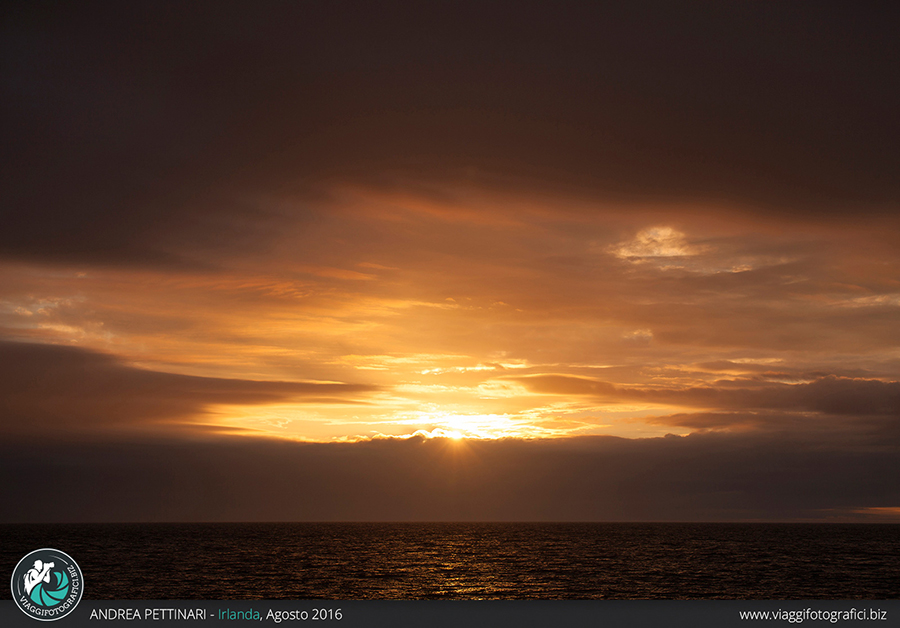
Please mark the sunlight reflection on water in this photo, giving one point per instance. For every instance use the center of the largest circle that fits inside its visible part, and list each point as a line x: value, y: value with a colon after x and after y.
x: 473, y: 560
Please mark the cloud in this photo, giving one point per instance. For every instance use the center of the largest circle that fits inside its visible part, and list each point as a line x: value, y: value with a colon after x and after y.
x: 566, y: 385
x: 125, y: 146
x: 56, y: 390
x: 655, y: 242
x: 827, y: 395
x: 340, y: 227
x: 849, y: 433
x: 695, y: 478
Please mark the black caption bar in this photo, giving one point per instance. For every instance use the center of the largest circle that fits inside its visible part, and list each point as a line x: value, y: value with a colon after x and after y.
x: 470, y: 614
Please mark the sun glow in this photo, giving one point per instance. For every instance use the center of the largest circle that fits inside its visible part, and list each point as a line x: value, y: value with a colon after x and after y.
x: 482, y: 426
x: 447, y: 424
x: 329, y: 422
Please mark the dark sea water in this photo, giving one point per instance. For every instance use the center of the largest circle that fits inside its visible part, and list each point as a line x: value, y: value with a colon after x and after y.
x: 472, y: 560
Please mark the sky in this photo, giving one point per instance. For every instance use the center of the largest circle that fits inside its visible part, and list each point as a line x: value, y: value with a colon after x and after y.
x: 462, y: 261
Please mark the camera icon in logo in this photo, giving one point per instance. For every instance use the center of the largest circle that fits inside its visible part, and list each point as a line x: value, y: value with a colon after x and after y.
x: 47, y: 584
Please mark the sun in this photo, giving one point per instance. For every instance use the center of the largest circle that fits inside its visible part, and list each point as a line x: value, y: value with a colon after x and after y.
x: 459, y: 426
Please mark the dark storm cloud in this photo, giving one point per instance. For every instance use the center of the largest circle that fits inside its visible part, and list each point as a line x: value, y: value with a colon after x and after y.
x: 848, y: 433
x: 145, y: 133
x: 828, y: 395
x: 700, y: 477
x: 64, y: 390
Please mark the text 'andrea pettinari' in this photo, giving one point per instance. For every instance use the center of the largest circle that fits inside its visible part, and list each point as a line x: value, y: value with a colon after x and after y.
x: 151, y: 614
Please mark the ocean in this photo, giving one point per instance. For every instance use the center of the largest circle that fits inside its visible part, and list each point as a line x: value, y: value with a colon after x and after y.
x: 471, y: 561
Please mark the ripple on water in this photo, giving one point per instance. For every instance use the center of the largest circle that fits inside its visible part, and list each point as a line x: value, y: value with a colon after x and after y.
x: 473, y: 560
